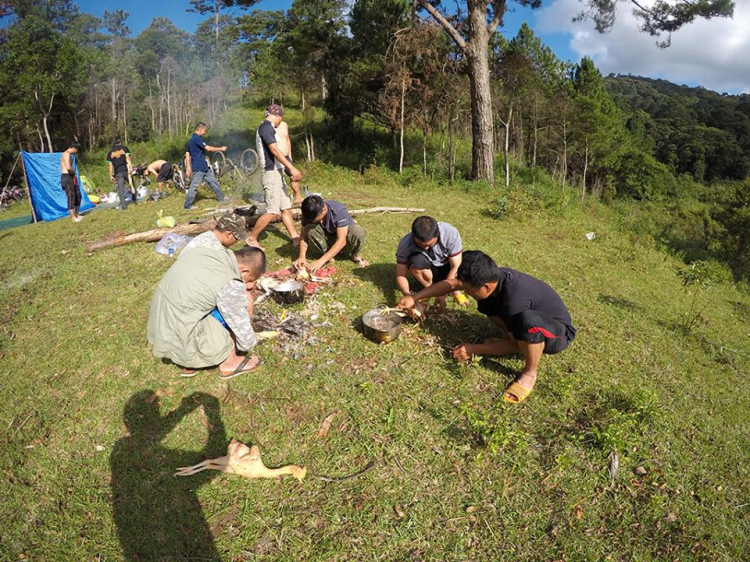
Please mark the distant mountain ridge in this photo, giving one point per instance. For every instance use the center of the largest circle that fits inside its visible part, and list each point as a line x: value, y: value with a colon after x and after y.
x: 691, y: 129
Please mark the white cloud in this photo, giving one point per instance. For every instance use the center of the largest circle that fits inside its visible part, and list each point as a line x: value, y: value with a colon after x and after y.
x: 713, y: 53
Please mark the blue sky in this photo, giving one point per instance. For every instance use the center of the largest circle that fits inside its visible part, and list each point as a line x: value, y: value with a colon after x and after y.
x: 143, y: 11
x: 708, y: 53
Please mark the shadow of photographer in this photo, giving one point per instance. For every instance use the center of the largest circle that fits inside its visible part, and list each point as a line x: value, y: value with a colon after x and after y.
x: 159, y: 516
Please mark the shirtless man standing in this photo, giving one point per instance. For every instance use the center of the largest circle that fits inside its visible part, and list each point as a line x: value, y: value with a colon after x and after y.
x: 285, y: 146
x: 163, y: 172
x: 69, y: 181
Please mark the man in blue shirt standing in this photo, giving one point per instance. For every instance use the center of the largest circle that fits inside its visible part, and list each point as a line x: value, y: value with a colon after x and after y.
x: 197, y: 165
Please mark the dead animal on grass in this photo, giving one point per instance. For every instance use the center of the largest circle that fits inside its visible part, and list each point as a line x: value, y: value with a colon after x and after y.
x: 245, y: 461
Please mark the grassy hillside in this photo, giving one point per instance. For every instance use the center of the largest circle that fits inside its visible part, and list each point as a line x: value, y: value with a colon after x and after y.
x: 90, y: 449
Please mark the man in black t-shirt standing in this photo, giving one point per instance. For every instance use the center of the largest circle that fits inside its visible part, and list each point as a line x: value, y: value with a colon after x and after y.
x: 530, y: 313
x: 120, y: 169
x: 277, y: 199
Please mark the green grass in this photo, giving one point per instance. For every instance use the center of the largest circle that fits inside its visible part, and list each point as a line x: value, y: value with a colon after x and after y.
x: 459, y: 475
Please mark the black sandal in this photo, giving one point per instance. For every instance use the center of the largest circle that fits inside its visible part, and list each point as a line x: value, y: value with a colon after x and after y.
x: 240, y: 370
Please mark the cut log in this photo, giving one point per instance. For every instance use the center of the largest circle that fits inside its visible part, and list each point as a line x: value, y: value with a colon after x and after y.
x: 189, y: 229
x: 153, y: 235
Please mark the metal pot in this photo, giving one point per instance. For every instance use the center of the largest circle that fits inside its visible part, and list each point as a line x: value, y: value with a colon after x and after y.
x: 289, y: 292
x: 381, y: 328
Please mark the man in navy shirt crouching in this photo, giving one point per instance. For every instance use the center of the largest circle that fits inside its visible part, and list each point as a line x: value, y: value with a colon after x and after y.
x: 528, y: 310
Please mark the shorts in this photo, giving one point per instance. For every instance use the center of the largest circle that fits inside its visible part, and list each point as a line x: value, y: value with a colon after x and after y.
x: 533, y: 326
x: 165, y: 173
x: 69, y: 185
x: 419, y: 261
x: 277, y: 198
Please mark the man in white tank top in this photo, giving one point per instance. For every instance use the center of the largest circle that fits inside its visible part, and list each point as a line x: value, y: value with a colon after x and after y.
x: 285, y: 146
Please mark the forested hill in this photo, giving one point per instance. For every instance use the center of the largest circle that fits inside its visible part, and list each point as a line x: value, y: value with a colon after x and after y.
x: 692, y: 130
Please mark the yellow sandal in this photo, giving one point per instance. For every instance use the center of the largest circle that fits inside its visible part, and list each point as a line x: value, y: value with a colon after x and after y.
x: 515, y: 393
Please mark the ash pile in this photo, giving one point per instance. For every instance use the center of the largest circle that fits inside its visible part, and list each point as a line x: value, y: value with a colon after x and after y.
x: 295, y: 330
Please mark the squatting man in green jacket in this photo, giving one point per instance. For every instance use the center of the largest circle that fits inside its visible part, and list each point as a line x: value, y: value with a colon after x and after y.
x: 201, y: 311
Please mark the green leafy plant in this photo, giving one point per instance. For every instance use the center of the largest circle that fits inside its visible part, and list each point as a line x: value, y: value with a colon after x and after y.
x: 499, y: 208
x: 697, y: 279
x: 493, y: 431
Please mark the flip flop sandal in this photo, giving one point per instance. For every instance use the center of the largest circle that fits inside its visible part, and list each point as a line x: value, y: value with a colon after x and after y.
x: 361, y: 262
x: 187, y: 373
x: 240, y: 370
x: 518, y: 393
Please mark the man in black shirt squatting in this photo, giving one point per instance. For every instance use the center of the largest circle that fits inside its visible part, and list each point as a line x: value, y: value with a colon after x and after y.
x: 531, y: 313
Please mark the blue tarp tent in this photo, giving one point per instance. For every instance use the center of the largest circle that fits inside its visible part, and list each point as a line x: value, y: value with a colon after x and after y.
x: 43, y: 178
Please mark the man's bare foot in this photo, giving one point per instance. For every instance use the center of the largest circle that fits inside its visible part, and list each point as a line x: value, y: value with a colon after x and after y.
x: 250, y: 241
x: 526, y: 381
x: 360, y: 261
x: 241, y: 365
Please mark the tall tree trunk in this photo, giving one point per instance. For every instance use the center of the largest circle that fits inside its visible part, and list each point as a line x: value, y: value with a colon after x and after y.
x: 41, y: 140
x: 519, y: 146
x: 451, y: 149
x: 506, y: 149
x: 565, y: 153
x: 323, y: 88
x: 46, y: 133
x: 482, y: 149
x: 114, y: 106
x: 424, y: 152
x: 475, y: 47
x: 585, y: 166
x: 216, y: 22
x: 161, y: 103
x: 169, y: 101
x: 403, y: 95
x: 125, y: 119
x: 151, y: 107
x: 536, y: 140
x: 45, y: 114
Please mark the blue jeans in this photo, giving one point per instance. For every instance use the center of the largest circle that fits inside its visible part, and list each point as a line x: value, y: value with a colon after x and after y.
x: 199, y: 177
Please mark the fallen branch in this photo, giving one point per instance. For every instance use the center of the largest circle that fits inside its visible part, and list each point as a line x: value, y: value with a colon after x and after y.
x: 193, y: 229
x: 297, y: 213
x: 153, y: 235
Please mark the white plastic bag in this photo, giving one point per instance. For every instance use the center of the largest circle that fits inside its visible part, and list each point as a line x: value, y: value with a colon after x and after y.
x: 171, y: 242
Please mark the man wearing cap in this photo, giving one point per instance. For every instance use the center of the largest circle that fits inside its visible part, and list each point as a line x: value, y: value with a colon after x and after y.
x: 229, y: 230
x: 201, y: 311
x: 197, y: 166
x: 277, y: 199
